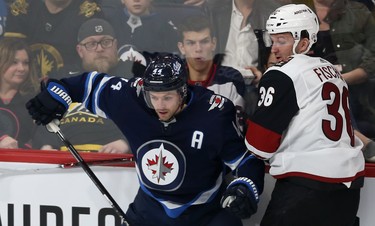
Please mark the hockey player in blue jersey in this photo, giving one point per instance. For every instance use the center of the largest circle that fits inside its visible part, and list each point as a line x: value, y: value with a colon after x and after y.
x: 183, y: 138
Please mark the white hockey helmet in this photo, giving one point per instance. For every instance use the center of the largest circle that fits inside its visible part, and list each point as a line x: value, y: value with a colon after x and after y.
x: 294, y: 18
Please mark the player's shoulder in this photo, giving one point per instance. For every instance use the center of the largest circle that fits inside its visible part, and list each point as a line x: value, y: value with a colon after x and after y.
x: 208, y: 100
x: 101, y: 79
x: 135, y: 84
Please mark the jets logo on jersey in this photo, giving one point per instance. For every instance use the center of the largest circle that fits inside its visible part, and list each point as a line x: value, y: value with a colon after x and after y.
x: 216, y: 101
x: 161, y: 165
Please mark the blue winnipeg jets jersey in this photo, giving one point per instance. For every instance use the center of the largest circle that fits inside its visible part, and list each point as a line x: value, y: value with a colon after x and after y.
x: 180, y: 163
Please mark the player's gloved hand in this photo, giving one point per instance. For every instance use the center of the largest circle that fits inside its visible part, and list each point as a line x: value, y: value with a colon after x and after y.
x: 241, y: 198
x: 51, y: 103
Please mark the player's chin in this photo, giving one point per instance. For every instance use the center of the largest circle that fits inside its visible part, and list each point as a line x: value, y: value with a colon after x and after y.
x: 163, y: 116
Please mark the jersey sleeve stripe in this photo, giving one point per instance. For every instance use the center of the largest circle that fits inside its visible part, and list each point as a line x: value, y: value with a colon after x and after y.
x: 262, y: 141
x: 88, y: 86
x: 97, y: 91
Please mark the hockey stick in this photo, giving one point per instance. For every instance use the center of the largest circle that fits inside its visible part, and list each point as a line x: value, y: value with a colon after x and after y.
x: 54, y: 128
x: 115, y: 161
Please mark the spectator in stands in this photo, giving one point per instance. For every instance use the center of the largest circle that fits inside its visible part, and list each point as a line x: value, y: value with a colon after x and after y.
x: 138, y: 25
x: 87, y: 131
x: 97, y: 48
x: 239, y: 27
x: 175, y: 11
x: 185, y: 2
x: 370, y: 5
x: 197, y: 45
x: 3, y: 16
x: 18, y: 82
x: 50, y: 27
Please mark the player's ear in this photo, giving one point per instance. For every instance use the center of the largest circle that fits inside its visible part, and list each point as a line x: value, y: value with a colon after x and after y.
x: 303, y: 45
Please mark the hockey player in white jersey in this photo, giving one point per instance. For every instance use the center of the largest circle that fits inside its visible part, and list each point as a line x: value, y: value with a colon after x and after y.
x: 302, y: 127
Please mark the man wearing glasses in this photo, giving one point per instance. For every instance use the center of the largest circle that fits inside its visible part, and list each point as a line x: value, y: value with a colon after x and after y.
x: 97, y: 47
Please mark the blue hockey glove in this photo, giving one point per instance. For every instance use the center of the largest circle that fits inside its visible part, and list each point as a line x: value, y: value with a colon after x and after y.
x: 51, y: 103
x: 241, y: 198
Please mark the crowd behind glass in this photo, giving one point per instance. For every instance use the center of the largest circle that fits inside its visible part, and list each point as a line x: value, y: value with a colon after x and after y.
x: 41, y: 39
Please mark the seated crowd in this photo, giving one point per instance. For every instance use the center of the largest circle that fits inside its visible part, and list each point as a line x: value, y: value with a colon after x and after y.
x: 224, y: 44
x: 228, y: 86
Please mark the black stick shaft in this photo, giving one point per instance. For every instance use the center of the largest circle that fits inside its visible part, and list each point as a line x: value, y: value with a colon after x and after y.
x: 93, y: 177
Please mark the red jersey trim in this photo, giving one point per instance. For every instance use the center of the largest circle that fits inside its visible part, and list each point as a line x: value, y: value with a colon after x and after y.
x: 320, y: 178
x: 261, y: 138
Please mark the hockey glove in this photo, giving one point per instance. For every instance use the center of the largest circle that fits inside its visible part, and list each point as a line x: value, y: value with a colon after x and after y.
x: 241, y: 198
x: 51, y: 103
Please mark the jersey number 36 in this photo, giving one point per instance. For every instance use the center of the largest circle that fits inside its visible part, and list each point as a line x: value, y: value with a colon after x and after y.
x: 338, y: 100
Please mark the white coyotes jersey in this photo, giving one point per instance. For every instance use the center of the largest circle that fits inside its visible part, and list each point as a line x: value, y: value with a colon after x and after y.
x: 302, y: 123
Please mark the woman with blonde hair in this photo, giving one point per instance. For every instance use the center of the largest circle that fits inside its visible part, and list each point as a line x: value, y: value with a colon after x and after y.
x: 18, y: 82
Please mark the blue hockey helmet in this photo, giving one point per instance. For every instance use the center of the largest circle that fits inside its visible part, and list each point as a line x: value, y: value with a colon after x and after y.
x: 165, y: 73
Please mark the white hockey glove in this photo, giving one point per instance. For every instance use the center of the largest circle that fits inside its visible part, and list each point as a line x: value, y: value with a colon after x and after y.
x: 241, y: 198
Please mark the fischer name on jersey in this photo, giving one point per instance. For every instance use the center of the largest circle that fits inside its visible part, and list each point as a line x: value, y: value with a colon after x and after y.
x: 179, y: 163
x: 302, y: 123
